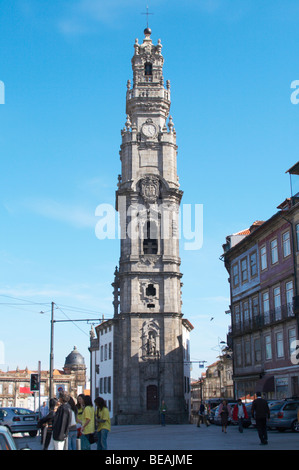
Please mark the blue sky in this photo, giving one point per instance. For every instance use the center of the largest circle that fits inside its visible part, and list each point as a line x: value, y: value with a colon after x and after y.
x: 65, y: 65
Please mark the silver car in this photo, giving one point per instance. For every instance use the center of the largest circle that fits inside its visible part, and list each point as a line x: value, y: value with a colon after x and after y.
x: 19, y: 420
x: 283, y: 415
x: 6, y: 439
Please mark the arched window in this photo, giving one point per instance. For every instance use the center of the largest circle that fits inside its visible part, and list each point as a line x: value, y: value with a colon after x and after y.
x: 148, y: 68
x: 150, y: 242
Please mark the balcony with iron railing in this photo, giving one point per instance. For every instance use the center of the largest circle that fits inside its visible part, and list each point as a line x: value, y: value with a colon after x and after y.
x: 264, y: 320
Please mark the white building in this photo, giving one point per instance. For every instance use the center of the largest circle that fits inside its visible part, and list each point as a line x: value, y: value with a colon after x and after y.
x: 101, y: 350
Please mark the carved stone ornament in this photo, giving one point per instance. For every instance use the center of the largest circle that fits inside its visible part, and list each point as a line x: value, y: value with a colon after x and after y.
x: 150, y: 189
x: 148, y: 260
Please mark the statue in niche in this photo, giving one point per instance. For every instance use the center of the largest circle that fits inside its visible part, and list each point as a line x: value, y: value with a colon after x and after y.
x: 150, y: 339
x: 151, y: 344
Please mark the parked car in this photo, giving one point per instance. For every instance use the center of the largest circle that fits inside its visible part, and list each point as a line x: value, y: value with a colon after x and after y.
x: 270, y: 404
x: 19, y: 420
x: 6, y: 439
x: 7, y: 442
x: 283, y: 415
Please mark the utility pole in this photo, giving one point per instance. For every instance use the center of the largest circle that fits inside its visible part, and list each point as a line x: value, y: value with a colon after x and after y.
x: 51, y: 352
x: 39, y: 381
x: 52, y: 343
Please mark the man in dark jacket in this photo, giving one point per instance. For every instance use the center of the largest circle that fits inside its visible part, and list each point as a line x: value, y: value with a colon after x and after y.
x: 62, y: 421
x: 46, y: 423
x: 260, y: 412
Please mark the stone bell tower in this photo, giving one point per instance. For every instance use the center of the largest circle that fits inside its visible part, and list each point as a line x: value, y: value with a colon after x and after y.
x: 149, y: 330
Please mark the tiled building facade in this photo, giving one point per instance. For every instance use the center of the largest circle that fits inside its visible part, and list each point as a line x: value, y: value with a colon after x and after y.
x: 262, y: 266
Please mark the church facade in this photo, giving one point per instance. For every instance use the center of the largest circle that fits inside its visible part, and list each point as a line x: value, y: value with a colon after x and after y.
x: 150, y: 359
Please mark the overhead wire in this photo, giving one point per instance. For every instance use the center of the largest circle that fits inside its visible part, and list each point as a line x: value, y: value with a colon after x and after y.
x: 24, y: 300
x: 72, y: 321
x: 74, y: 309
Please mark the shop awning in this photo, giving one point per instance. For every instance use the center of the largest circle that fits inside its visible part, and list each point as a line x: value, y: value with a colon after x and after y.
x: 266, y: 384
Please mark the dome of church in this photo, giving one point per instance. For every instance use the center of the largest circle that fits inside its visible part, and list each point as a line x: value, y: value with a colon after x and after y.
x: 74, y: 359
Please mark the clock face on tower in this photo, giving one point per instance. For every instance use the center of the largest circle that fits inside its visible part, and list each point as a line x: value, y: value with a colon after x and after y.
x: 149, y: 129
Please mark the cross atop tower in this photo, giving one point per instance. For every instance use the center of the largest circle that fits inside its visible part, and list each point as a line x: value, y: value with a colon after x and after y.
x: 147, y: 15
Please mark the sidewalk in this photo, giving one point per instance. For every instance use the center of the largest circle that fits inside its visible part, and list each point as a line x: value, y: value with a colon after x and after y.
x: 186, y: 438
x: 189, y: 437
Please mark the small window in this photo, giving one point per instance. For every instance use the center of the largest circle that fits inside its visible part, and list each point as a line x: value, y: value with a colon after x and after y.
x: 246, y: 313
x: 268, y: 347
x: 291, y: 406
x: 255, y: 306
x: 257, y: 351
x: 247, y: 353
x: 244, y: 272
x: 264, y: 257
x: 274, y: 251
x: 148, y: 69
x: 292, y: 341
x: 237, y: 315
x: 150, y: 290
x: 238, y: 355
x: 279, y: 345
x: 253, y: 264
x: 286, y: 243
x: 235, y: 275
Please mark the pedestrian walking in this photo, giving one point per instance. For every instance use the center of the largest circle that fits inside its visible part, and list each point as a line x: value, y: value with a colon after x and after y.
x: 46, y: 424
x: 163, y: 410
x: 202, y: 415
x: 61, y: 422
x: 199, y: 415
x: 88, y: 423
x: 225, y: 414
x: 43, y: 411
x: 260, y: 412
x: 102, y: 422
x: 72, y: 436
x: 239, y: 414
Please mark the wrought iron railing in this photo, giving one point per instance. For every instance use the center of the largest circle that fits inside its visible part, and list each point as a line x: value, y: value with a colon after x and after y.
x: 262, y: 320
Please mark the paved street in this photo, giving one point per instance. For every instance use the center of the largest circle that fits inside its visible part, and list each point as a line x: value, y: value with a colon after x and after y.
x: 186, y: 437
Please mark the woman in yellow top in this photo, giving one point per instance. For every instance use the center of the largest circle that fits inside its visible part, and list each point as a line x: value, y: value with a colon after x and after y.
x: 80, y: 409
x: 87, y: 423
x: 103, y: 423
